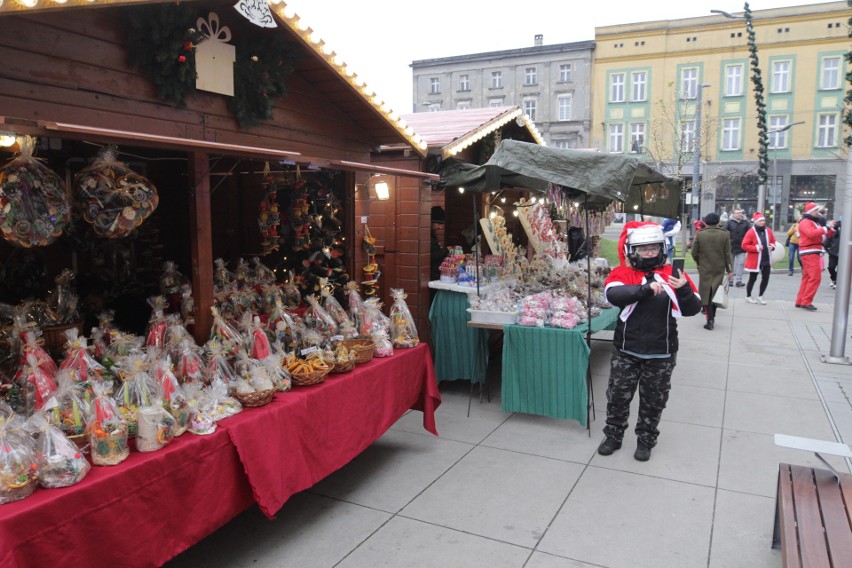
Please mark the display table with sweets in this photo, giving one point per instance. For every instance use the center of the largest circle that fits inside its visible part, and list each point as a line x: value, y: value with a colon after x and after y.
x: 544, y: 368
x: 461, y: 352
x: 155, y: 505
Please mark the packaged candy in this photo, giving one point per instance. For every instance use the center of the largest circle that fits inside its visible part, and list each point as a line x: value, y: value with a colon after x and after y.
x: 171, y: 280
x: 174, y: 398
x: 79, y: 360
x: 333, y: 307
x: 290, y: 292
x: 202, y: 422
x: 17, y: 458
x: 37, y: 381
x: 137, y: 390
x: 60, y: 462
x: 68, y: 409
x: 156, y: 427
x: 383, y: 346
x: 112, y: 198
x: 33, y: 207
x: 157, y: 323
x: 224, y: 332
x: 257, y: 340
x: 222, y: 404
x: 263, y: 275
x: 317, y: 318
x: 107, y: 431
x: 62, y: 304
x: 187, y: 305
x: 403, y: 331
x: 243, y: 274
x: 190, y: 363
x: 222, y: 277
x: 356, y: 305
x: 218, y: 366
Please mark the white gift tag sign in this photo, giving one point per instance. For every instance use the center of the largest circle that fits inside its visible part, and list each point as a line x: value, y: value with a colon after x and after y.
x: 214, y: 57
x: 256, y: 12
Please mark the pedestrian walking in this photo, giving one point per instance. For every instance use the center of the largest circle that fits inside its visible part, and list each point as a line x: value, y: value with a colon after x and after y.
x: 793, y: 246
x: 758, y: 243
x: 737, y: 227
x: 651, y: 300
x: 671, y: 229
x: 812, y: 231
x: 832, y: 247
x: 711, y: 251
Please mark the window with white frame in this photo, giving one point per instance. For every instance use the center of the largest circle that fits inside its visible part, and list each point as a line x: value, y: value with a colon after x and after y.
x: 781, y: 77
x: 616, y: 88
x: 733, y: 80
x: 495, y: 103
x: 463, y: 105
x: 464, y: 82
x: 639, y: 80
x: 434, y: 107
x: 689, y: 83
x: 435, y: 85
x: 530, y: 76
x: 830, y: 77
x: 616, y: 138
x: 827, y: 131
x: 778, y: 137
x: 687, y: 136
x: 496, y: 79
x: 731, y: 134
x: 637, y: 137
x: 529, y: 108
x: 566, y: 106
x: 566, y: 73
x: 562, y: 144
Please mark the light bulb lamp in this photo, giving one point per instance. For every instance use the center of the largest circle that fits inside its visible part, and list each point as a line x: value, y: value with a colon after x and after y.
x: 382, y: 190
x: 7, y: 139
x: 776, y: 191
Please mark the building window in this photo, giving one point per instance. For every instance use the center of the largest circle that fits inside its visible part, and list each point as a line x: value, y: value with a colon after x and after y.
x: 616, y: 138
x: 733, y: 80
x: 434, y: 107
x: 463, y: 105
x: 781, y: 77
x: 830, y: 73
x: 464, y: 82
x: 637, y: 138
x: 529, y: 109
x: 530, y: 76
x: 566, y: 73
x: 493, y: 103
x: 562, y: 144
x: 616, y: 88
x: 731, y: 134
x: 496, y: 79
x: 687, y: 136
x: 689, y: 83
x: 434, y: 85
x: 778, y: 138
x: 827, y: 131
x: 640, y: 80
x: 566, y: 106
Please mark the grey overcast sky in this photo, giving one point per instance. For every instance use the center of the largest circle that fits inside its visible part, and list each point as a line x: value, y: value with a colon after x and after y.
x: 380, y: 38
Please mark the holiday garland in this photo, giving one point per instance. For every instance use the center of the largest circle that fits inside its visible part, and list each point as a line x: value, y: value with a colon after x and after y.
x: 757, y: 80
x: 160, y: 43
x: 260, y: 73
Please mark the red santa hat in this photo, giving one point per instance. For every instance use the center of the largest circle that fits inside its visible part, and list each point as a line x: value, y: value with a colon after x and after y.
x: 811, y: 207
x: 757, y: 216
x: 629, y: 227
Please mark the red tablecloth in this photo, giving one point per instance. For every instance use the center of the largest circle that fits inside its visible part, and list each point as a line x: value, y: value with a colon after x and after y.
x: 154, y: 506
x: 312, y: 431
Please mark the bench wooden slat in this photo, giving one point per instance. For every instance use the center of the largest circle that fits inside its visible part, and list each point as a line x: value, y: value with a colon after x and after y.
x: 787, y: 518
x: 835, y: 517
x: 810, y: 532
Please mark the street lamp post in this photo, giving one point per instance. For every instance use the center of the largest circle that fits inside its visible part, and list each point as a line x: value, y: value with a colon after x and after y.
x: 696, y: 156
x: 775, y: 190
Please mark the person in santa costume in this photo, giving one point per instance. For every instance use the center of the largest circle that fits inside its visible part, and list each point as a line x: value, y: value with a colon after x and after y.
x: 758, y: 242
x: 812, y: 230
x: 651, y: 300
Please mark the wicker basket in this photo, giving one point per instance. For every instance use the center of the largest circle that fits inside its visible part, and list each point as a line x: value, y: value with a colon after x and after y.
x: 343, y: 366
x: 254, y: 399
x: 310, y: 378
x: 363, y: 349
x: 54, y: 337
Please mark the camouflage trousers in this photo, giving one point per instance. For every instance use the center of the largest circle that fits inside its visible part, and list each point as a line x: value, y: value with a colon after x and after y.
x: 653, y: 378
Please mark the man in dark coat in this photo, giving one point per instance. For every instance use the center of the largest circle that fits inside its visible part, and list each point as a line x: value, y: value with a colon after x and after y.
x: 737, y: 227
x: 712, y: 254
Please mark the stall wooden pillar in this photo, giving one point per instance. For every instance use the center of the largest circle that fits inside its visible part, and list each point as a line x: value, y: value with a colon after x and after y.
x: 201, y: 244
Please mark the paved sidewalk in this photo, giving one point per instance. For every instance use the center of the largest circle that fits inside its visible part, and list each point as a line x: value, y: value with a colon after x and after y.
x: 513, y: 490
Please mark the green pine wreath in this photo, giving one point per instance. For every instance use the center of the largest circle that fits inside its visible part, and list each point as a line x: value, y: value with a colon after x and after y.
x: 263, y: 64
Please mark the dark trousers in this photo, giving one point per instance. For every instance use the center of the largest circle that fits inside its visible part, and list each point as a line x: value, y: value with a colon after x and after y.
x: 764, y: 280
x: 832, y: 267
x: 653, y: 379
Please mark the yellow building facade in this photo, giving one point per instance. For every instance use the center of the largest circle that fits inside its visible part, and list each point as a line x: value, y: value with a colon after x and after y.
x: 648, y: 79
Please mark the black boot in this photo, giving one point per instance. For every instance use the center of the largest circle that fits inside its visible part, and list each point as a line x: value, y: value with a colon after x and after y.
x: 709, y: 324
x: 608, y: 446
x: 643, y: 452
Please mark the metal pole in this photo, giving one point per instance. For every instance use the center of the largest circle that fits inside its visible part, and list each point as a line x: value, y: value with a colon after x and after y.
x: 841, y: 294
x: 696, y: 156
x: 775, y: 189
x: 761, y: 198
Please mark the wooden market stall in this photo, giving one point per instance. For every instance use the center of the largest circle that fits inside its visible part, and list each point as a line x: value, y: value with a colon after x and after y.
x: 294, y: 128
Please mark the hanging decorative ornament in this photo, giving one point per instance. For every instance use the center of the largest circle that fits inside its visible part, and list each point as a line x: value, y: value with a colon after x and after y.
x: 269, y: 219
x: 214, y: 57
x: 256, y: 12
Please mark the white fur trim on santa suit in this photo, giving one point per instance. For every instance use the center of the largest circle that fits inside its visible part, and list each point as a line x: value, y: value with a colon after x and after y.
x: 625, y: 313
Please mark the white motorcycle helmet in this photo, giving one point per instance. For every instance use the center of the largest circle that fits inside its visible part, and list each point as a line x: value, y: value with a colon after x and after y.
x: 645, y: 235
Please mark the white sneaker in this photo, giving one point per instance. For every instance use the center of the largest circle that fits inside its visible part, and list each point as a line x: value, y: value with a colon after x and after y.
x: 833, y: 286
x: 760, y: 300
x: 751, y: 300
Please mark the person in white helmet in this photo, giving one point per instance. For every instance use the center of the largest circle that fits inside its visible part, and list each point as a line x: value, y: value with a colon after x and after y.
x: 645, y: 344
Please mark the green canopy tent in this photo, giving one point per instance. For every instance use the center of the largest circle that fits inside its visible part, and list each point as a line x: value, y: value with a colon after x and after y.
x: 596, y: 178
